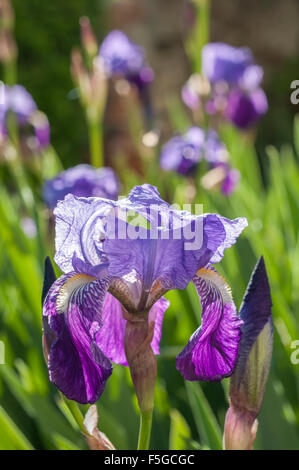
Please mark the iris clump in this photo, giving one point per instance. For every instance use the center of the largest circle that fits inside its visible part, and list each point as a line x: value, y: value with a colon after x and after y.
x: 230, y: 85
x: 81, y: 180
x: 18, y: 101
x: 115, y: 276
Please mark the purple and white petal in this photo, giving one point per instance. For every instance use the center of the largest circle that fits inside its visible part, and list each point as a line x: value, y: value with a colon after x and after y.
x: 233, y: 229
x: 80, y: 229
x: 211, y: 352
x: 169, y: 254
x: 72, y: 312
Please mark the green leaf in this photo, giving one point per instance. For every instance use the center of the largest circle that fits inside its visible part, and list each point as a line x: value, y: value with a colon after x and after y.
x: 205, y: 420
x: 179, y: 431
x: 11, y: 436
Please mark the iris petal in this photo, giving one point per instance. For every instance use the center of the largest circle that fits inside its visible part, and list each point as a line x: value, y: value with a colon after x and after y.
x: 110, y: 338
x: 172, y: 255
x: 71, y: 310
x: 211, y: 352
x: 79, y: 228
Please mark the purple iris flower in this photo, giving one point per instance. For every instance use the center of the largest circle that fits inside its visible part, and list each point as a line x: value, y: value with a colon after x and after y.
x: 17, y: 100
x: 222, y: 62
x: 123, y: 58
x: 245, y: 108
x: 183, y: 152
x: 216, y: 154
x: 113, y: 268
x: 215, y: 150
x: 235, y: 80
x: 231, y: 180
x: 81, y: 180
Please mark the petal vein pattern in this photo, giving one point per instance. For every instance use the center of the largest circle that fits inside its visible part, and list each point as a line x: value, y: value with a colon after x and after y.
x: 211, y: 352
x: 72, y: 309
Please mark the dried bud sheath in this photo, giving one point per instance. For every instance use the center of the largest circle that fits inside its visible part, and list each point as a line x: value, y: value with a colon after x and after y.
x: 240, y: 429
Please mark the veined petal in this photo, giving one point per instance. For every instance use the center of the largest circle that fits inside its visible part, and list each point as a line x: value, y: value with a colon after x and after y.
x: 110, y: 338
x: 80, y: 229
x: 171, y: 254
x: 72, y: 311
x: 211, y: 352
x: 233, y: 229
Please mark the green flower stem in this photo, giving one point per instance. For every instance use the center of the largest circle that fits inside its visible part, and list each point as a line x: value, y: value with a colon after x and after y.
x: 145, y: 428
x: 16, y: 167
x: 143, y: 369
x: 10, y: 72
x: 76, y: 413
x: 96, y: 143
x: 202, y: 29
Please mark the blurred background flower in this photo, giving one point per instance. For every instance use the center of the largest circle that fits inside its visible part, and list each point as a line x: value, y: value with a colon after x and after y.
x: 235, y: 81
x: 183, y: 153
x: 17, y: 100
x: 123, y: 58
x: 83, y: 181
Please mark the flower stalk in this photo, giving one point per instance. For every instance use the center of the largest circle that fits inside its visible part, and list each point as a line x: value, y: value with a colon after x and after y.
x: 143, y: 368
x: 8, y: 47
x: 96, y: 143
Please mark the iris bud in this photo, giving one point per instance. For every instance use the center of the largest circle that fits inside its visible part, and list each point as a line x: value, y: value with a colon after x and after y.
x: 247, y: 384
x: 88, y: 38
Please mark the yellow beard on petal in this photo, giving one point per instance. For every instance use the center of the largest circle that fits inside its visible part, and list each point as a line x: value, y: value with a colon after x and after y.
x: 217, y: 280
x: 67, y: 290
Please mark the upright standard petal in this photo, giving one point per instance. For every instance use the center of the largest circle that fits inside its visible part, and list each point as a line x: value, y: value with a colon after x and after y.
x: 211, y: 352
x: 77, y: 366
x: 79, y: 230
x: 110, y: 338
x: 121, y: 56
x: 233, y: 229
x: 170, y: 254
x: 221, y: 61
